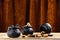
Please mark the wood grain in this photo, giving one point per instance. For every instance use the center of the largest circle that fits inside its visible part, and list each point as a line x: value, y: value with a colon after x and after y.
x: 20, y: 12
x: 57, y: 18
x: 5, y: 15
x: 36, y: 12
x: 1, y: 15
x: 43, y: 13
x: 51, y: 13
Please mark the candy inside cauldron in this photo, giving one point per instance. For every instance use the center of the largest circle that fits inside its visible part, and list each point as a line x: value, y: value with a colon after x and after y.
x: 46, y: 28
x: 13, y: 31
x: 27, y: 29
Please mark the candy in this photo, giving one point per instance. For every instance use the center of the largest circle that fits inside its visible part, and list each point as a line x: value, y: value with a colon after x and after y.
x: 45, y: 35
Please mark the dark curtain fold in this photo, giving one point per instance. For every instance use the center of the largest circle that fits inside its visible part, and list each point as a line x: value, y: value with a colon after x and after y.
x: 36, y: 12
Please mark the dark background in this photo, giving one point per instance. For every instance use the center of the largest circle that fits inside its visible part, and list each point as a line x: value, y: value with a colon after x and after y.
x: 36, y: 12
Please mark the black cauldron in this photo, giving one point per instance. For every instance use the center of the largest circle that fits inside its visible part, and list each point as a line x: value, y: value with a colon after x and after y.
x: 13, y: 31
x: 27, y: 29
x: 46, y: 27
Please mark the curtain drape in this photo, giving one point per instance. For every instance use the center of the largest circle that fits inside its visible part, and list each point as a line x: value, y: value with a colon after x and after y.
x: 36, y: 12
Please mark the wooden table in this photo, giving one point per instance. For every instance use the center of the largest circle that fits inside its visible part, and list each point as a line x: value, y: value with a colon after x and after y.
x: 56, y: 36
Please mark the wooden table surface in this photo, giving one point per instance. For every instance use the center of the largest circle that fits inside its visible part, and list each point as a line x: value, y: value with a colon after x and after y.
x: 56, y: 36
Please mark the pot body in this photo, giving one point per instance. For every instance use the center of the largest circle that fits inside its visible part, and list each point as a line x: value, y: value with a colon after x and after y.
x: 27, y: 30
x: 13, y: 32
x: 46, y: 28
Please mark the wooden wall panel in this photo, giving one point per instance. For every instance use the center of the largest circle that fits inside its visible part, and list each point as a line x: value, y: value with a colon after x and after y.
x: 1, y: 20
x: 51, y: 13
x: 34, y: 13
x: 43, y: 13
x: 20, y: 12
x: 10, y: 13
x: 5, y: 15
x: 57, y: 22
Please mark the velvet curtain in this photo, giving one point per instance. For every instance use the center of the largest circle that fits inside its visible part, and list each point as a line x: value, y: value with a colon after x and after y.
x: 36, y: 12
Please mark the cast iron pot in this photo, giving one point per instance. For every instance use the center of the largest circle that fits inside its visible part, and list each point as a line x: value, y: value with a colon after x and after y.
x: 27, y: 29
x: 13, y: 31
x: 46, y: 27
